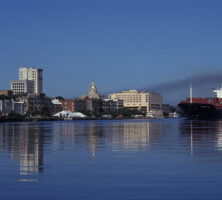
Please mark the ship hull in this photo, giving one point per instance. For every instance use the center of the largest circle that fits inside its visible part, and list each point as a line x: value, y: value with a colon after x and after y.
x: 200, y: 111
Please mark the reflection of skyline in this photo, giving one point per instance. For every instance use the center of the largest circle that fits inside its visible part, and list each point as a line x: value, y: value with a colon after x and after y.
x: 126, y: 136
x: 143, y: 135
x: 24, y: 143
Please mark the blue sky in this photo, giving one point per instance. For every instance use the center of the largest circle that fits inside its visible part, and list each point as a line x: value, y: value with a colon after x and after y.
x: 118, y: 44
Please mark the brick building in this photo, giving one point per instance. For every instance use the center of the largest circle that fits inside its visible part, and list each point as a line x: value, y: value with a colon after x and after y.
x: 68, y: 105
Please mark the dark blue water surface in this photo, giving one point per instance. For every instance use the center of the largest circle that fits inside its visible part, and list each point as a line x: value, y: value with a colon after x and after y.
x: 126, y: 159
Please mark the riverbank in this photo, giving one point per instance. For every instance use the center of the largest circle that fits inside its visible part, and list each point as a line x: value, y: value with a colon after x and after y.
x: 26, y: 119
x: 35, y: 119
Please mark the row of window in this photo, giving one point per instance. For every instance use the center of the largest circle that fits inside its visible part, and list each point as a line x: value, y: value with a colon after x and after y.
x: 134, y: 104
x: 19, y: 90
x: 135, y: 100
x: 18, y: 84
x: 128, y: 96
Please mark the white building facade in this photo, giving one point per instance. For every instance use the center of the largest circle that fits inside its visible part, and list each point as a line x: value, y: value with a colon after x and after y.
x: 146, y: 101
x: 22, y: 86
x: 33, y: 74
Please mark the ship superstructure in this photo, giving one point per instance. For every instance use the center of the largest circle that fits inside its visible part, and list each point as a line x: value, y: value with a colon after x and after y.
x: 203, y: 108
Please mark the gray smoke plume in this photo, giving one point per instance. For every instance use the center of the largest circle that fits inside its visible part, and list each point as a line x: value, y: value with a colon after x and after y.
x: 175, y: 91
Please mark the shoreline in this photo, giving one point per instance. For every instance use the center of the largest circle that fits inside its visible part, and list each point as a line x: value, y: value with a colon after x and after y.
x: 41, y: 119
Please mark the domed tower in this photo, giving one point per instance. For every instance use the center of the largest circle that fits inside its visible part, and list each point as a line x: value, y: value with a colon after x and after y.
x: 93, y: 93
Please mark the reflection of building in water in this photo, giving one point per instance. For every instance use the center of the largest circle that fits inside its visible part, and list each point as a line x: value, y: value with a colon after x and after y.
x: 95, y: 134
x: 135, y: 135
x: 64, y: 133
x: 78, y: 134
x: 125, y: 136
x: 204, y: 138
x: 24, y: 142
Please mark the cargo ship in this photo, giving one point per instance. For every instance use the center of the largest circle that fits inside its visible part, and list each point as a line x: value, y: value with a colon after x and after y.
x: 203, y: 108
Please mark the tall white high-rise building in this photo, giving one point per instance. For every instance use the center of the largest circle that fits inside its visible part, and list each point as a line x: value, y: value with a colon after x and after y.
x: 33, y: 74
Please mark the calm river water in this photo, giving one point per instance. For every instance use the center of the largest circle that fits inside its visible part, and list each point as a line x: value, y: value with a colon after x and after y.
x: 125, y: 159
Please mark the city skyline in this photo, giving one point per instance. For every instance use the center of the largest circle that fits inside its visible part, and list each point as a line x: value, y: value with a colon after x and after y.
x: 118, y: 44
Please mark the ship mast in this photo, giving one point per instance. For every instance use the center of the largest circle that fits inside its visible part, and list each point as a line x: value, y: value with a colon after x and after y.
x: 191, y: 94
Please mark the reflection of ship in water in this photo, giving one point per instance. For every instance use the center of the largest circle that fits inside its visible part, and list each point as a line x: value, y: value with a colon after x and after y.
x: 204, y: 138
x: 24, y: 143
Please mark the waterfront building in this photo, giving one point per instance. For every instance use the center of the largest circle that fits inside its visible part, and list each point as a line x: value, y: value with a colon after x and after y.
x: 67, y: 105
x: 33, y: 74
x: 80, y: 105
x: 112, y: 105
x: 36, y: 104
x: 56, y: 106
x: 144, y: 101
x: 94, y: 105
x: 7, y: 106
x: 92, y: 102
x: 18, y: 107
x: 88, y: 105
x: 22, y: 86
